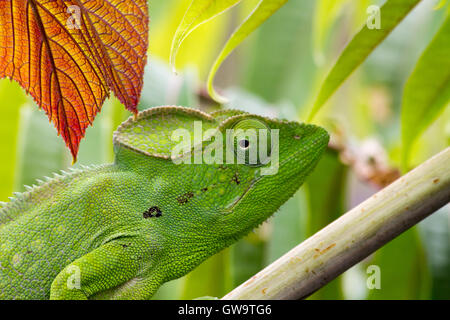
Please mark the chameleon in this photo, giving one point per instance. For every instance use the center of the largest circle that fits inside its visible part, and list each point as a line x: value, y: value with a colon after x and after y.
x: 121, y: 230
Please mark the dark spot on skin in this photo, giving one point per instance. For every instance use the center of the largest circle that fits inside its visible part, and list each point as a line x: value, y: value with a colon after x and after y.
x: 125, y: 245
x: 204, y: 189
x: 182, y: 200
x: 152, y: 212
x: 185, y: 197
x: 29, y: 252
x: 236, y: 178
x: 436, y: 181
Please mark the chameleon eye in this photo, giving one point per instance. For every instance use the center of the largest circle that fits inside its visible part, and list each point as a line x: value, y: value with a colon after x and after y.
x: 244, y: 144
x: 251, y: 141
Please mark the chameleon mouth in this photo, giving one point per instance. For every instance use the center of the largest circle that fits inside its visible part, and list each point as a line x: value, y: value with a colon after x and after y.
x: 230, y: 208
x: 238, y: 200
x: 322, y: 140
x: 254, y: 181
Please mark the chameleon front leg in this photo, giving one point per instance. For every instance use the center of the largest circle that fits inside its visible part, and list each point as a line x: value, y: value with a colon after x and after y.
x: 136, y: 289
x: 104, y: 268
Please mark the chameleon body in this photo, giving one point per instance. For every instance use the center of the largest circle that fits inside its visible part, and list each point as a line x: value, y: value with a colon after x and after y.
x: 120, y: 230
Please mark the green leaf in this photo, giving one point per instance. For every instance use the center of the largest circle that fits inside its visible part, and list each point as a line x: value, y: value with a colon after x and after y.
x: 360, y: 47
x: 211, y: 278
x: 199, y: 12
x: 11, y: 97
x: 427, y: 91
x: 247, y: 257
x: 262, y: 12
x: 97, y: 146
x: 40, y: 152
x: 287, y: 227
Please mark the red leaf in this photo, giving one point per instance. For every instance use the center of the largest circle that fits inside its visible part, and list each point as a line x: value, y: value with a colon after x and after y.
x: 69, y: 55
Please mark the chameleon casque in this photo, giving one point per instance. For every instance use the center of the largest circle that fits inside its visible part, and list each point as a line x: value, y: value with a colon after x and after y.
x: 120, y: 230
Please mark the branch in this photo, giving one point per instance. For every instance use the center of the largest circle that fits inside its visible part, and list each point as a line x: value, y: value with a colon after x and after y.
x: 353, y: 236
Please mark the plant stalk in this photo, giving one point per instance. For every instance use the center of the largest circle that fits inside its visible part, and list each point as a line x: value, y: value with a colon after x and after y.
x: 354, y: 236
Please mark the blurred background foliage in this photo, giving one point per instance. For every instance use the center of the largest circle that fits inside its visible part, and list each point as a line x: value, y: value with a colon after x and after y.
x: 277, y: 72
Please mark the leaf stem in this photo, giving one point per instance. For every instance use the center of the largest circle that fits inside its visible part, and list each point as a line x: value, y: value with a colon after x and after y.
x: 353, y: 236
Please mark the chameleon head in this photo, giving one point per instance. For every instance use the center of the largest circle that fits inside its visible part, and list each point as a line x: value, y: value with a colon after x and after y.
x: 215, y: 177
x: 286, y: 155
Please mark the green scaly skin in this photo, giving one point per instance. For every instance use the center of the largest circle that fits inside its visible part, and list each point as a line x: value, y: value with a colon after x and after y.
x: 95, y: 224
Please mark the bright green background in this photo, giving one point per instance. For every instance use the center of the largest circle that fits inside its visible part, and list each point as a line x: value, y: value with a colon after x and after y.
x: 276, y: 72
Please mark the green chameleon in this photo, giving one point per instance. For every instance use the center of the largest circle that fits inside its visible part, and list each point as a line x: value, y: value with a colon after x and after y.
x: 120, y: 230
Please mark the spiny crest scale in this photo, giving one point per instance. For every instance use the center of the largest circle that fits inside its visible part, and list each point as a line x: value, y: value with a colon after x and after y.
x: 8, y: 210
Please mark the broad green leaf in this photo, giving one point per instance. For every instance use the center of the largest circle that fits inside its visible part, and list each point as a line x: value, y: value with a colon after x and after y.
x: 211, y: 278
x: 199, y: 12
x: 36, y: 159
x: 169, y: 290
x: 360, y: 47
x: 427, y: 91
x: 262, y: 12
x: 288, y: 227
x: 97, y: 146
x: 11, y: 98
x: 247, y: 258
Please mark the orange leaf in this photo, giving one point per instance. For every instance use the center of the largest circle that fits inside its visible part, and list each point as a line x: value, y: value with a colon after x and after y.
x: 69, y: 55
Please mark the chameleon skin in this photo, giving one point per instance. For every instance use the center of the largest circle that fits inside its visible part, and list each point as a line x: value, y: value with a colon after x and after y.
x: 125, y: 228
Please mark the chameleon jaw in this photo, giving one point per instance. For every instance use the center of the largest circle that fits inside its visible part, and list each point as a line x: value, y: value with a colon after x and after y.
x: 230, y: 207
